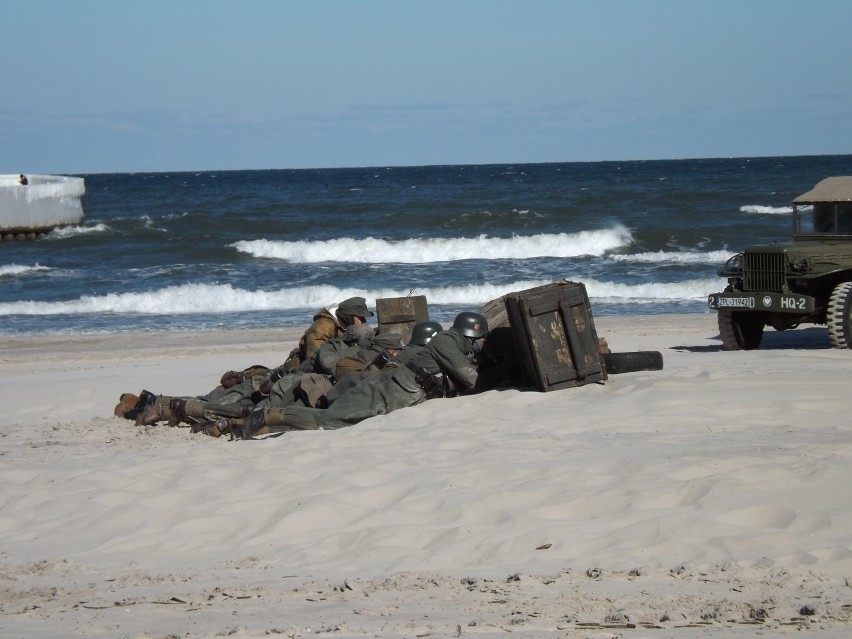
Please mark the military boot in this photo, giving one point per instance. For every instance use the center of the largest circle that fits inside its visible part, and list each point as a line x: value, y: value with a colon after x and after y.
x: 157, y: 411
x: 146, y: 398
x: 177, y: 411
x: 126, y: 402
x: 249, y: 426
x: 215, y: 428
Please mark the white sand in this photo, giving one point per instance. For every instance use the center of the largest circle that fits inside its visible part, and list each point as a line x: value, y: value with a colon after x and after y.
x: 711, y: 498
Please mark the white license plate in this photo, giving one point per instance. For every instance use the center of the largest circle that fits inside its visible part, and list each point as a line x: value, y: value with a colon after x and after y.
x: 736, y: 302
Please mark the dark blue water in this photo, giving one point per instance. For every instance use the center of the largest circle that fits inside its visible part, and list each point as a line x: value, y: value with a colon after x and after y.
x: 268, y: 248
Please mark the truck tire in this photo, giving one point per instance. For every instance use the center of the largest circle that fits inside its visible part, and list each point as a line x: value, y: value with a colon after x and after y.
x: 740, y: 331
x: 631, y: 361
x: 839, y: 316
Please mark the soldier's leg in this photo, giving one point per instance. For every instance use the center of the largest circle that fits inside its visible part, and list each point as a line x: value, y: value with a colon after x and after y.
x: 376, y: 395
x: 233, y: 410
x: 372, y: 396
x: 177, y: 410
x: 237, y: 401
x: 278, y: 420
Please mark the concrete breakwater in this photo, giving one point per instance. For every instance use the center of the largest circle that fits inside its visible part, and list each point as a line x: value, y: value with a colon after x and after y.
x: 32, y: 209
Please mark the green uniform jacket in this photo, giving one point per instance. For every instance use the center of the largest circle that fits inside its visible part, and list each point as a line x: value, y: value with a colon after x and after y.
x: 386, y: 391
x: 325, y: 361
x: 448, y: 352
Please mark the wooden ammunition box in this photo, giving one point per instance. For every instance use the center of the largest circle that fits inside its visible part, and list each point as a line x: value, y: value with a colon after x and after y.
x: 400, y: 314
x: 554, y: 334
x: 495, y: 312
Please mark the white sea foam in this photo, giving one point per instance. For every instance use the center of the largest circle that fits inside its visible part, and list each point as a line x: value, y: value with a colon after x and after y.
x: 70, y: 231
x: 676, y: 257
x: 224, y: 298
x: 766, y: 210
x: 651, y: 292
x: 20, y: 269
x: 427, y: 250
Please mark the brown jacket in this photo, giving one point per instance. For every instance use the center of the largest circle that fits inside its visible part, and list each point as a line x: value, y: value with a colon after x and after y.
x: 326, y: 326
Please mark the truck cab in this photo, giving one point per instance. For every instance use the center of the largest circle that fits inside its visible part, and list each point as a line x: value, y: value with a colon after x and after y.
x: 805, y: 281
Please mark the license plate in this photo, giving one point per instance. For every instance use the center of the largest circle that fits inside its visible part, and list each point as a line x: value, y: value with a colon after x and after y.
x: 736, y: 302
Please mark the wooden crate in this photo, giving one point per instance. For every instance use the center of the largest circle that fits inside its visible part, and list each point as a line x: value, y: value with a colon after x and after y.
x: 400, y: 314
x: 495, y: 312
x: 555, y: 338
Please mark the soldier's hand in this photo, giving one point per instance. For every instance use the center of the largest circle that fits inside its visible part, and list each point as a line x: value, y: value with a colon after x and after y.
x: 266, y: 385
x: 231, y: 379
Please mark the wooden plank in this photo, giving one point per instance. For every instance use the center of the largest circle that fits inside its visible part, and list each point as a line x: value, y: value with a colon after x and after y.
x: 582, y: 339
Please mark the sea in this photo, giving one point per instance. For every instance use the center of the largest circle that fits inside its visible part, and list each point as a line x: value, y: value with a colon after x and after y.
x: 206, y: 250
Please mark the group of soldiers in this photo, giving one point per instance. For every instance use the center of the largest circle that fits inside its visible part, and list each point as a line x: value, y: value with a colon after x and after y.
x: 341, y: 373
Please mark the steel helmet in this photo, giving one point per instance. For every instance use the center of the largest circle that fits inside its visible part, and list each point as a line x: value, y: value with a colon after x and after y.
x: 423, y: 332
x: 471, y: 324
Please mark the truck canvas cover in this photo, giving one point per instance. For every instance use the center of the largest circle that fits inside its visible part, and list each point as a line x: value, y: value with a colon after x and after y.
x: 831, y: 189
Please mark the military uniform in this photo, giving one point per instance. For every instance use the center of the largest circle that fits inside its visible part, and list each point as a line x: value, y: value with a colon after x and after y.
x: 325, y: 326
x: 275, y: 388
x: 365, y: 363
x: 234, y: 400
x: 447, y: 354
x: 328, y: 324
x: 240, y: 392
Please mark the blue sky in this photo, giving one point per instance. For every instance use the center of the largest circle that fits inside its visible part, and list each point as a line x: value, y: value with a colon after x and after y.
x: 166, y: 85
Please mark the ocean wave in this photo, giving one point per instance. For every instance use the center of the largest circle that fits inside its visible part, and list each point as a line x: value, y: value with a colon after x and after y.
x: 427, y: 250
x: 221, y: 299
x: 766, y: 210
x: 652, y: 292
x: 20, y: 269
x: 71, y: 231
x: 675, y: 257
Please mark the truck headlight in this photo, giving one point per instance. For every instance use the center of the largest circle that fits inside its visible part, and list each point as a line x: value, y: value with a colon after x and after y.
x: 800, y: 266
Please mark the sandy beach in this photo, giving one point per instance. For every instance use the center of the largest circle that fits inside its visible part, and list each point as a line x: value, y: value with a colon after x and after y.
x: 707, y: 499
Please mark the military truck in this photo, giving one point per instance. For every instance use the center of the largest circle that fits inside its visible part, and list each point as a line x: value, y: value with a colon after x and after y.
x: 805, y: 281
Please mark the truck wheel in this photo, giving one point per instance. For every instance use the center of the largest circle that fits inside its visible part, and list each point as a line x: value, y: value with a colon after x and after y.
x: 740, y: 331
x: 839, y: 316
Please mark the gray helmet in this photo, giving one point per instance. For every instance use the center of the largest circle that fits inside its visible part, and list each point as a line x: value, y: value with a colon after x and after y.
x: 423, y: 332
x: 471, y: 324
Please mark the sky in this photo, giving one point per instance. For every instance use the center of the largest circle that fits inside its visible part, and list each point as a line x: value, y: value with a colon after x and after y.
x: 100, y: 86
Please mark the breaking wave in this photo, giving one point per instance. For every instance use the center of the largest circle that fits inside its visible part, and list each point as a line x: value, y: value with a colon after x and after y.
x: 71, y: 231
x: 766, y: 210
x: 218, y: 299
x: 427, y: 250
x: 651, y: 292
x: 20, y: 269
x: 674, y: 257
